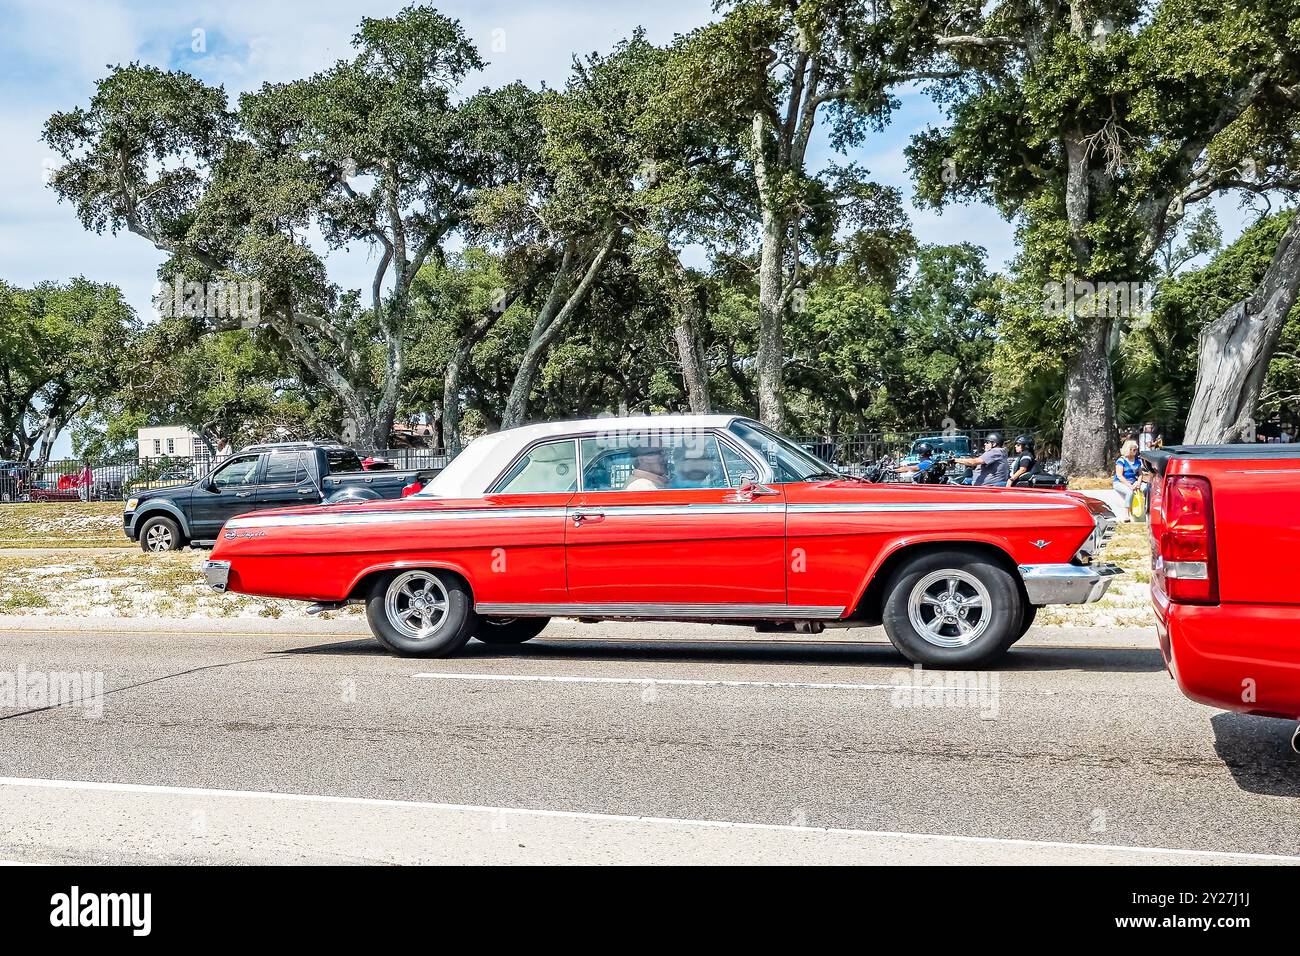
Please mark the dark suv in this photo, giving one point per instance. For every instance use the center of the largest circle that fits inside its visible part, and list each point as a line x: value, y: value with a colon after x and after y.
x: 256, y: 478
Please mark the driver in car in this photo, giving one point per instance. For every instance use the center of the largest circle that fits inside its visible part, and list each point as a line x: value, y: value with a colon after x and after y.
x: 649, y: 471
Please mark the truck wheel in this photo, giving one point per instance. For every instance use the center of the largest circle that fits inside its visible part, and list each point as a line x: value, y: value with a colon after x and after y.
x: 952, y: 609
x: 160, y: 534
x: 424, y: 613
x: 509, y: 630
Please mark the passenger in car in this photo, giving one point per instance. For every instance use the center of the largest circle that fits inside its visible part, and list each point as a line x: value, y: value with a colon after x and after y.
x: 692, y: 472
x: 649, y: 472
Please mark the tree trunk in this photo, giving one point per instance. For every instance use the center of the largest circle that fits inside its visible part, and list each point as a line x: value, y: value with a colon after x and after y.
x: 547, y: 326
x: 1089, y: 428
x: 771, y: 338
x: 690, y: 348
x: 1089, y: 404
x: 1236, y: 348
x: 451, y: 397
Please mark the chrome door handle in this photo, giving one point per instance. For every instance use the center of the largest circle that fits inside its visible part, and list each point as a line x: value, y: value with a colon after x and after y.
x: 305, y: 491
x: 580, y: 516
x: 242, y: 494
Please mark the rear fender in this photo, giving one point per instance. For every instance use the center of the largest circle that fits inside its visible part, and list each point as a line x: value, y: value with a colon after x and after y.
x: 433, y: 564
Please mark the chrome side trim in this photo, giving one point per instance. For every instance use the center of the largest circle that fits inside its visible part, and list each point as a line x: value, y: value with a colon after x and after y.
x: 652, y: 610
x: 325, y: 517
x: 692, y: 509
x: 907, y: 506
x: 217, y: 574
x: 1067, y: 583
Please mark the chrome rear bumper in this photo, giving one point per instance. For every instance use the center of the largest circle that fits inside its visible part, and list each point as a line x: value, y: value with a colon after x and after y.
x: 1067, y: 583
x: 217, y: 574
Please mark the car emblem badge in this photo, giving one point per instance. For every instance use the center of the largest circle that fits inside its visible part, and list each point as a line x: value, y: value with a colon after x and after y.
x: 1040, y: 543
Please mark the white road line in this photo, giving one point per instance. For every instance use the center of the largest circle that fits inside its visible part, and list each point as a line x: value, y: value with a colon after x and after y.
x: 645, y: 681
x: 90, y: 785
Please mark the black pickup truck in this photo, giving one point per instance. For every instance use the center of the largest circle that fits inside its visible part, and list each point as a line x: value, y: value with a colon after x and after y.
x: 258, y: 477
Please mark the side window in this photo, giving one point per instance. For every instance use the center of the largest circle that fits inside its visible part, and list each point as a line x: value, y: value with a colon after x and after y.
x: 651, y: 462
x: 284, y: 469
x: 237, y: 471
x: 551, y: 467
x: 738, y: 467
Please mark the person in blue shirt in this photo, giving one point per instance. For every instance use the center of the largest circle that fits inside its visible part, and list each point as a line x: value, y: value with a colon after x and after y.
x: 924, y: 461
x: 1128, y: 476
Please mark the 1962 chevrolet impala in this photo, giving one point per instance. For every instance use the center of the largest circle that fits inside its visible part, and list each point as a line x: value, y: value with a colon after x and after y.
x: 684, y: 517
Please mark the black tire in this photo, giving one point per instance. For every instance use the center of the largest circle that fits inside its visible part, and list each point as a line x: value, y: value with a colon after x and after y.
x: 986, y: 617
x: 397, y: 620
x: 1027, y: 621
x: 509, y: 630
x: 160, y: 533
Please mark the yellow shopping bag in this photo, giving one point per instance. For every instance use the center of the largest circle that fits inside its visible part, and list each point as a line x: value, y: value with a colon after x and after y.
x: 1138, y: 506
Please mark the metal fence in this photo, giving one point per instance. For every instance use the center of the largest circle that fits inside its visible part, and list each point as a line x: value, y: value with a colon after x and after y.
x: 855, y: 453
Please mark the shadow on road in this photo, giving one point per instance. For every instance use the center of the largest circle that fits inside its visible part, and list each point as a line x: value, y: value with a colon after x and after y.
x: 756, y: 651
x: 1257, y: 752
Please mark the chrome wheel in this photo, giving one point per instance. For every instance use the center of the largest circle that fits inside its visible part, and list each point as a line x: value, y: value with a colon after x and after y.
x: 159, y: 538
x: 416, y: 604
x: 949, y: 608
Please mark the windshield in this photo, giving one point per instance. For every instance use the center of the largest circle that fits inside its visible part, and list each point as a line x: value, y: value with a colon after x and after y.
x: 789, y: 462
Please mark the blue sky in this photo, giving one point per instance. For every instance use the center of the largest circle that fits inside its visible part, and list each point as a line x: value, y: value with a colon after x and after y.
x: 52, y: 52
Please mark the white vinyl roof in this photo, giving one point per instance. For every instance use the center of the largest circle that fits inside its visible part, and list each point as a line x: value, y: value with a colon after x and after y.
x: 470, y: 472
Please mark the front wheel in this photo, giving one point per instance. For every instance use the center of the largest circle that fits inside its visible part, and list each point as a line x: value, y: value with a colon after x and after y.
x: 1026, y: 622
x: 509, y: 630
x: 421, y: 613
x: 160, y: 534
x: 953, y: 609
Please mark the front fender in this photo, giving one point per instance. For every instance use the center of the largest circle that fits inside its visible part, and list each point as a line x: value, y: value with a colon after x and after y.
x: 151, y: 508
x: 998, y: 542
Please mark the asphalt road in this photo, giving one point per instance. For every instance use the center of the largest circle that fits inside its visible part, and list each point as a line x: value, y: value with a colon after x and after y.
x: 626, y: 743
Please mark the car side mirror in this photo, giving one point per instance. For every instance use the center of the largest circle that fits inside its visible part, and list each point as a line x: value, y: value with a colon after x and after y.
x: 751, y: 488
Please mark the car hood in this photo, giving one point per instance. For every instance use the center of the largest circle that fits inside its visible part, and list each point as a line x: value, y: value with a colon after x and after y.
x: 170, y: 492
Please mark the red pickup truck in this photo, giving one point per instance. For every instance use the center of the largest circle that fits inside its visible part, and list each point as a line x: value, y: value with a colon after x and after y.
x: 1225, y: 551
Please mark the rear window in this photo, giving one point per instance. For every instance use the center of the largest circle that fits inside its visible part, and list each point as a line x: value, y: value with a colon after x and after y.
x: 342, y: 459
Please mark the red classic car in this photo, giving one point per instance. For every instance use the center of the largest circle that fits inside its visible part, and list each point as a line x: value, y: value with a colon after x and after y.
x: 693, y: 518
x: 1225, y: 540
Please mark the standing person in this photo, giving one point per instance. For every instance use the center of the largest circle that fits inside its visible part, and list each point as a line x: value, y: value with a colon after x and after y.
x: 1128, y: 476
x: 1022, y: 466
x: 84, y: 481
x: 991, y: 468
x: 1147, y: 439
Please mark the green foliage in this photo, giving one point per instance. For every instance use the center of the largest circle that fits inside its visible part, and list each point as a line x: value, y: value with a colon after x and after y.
x: 62, y: 348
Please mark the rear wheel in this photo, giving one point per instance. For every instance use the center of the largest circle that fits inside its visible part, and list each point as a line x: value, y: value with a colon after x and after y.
x: 426, y: 613
x: 160, y: 534
x: 952, y: 609
x: 509, y: 630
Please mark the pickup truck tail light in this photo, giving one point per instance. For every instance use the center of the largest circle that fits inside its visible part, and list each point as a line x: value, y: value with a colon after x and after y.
x: 412, y: 488
x: 1187, y: 541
